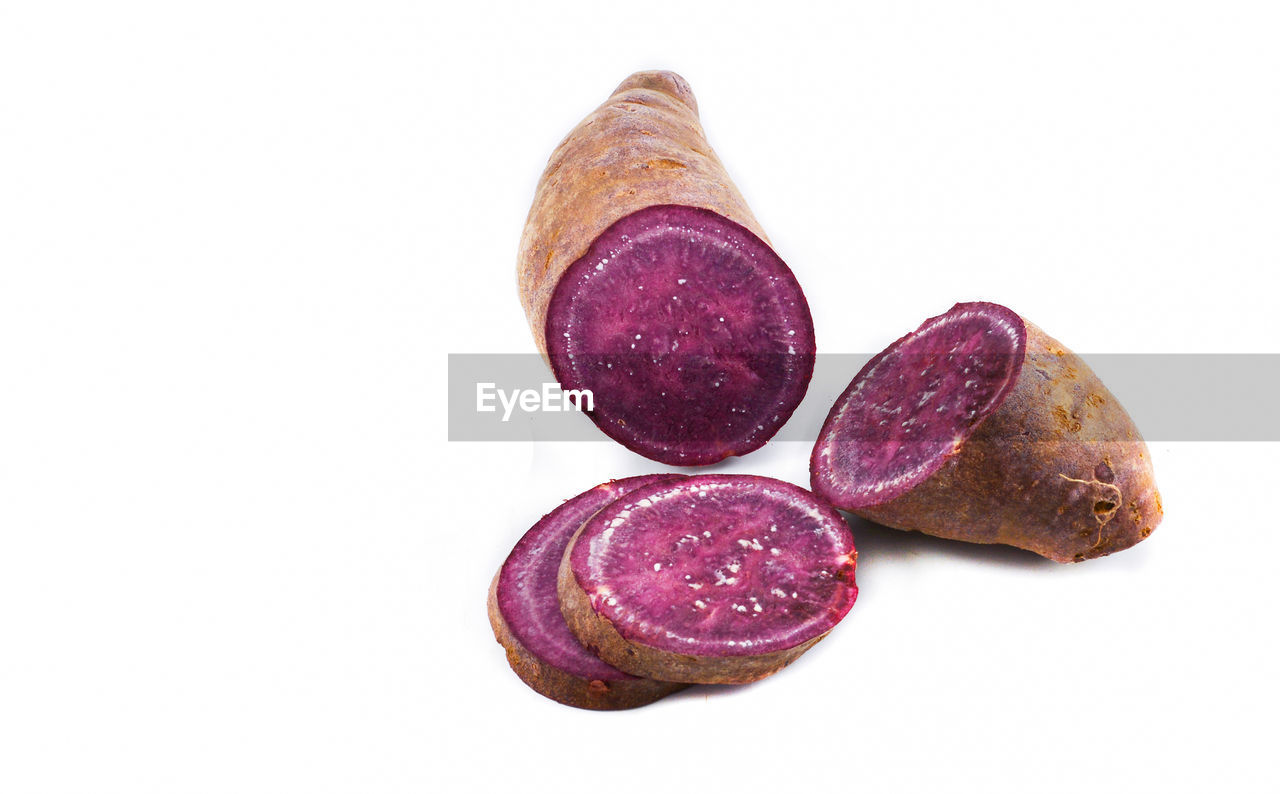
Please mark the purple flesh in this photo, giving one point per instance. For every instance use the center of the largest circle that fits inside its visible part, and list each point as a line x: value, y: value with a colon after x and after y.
x: 718, y: 565
x: 691, y: 333
x: 914, y: 405
x: 527, y: 584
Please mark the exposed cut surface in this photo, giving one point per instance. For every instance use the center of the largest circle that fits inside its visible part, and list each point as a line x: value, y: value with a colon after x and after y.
x: 914, y: 405
x: 539, y: 644
x: 716, y: 566
x: 691, y: 333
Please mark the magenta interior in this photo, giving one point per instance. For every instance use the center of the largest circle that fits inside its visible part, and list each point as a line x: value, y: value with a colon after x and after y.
x: 691, y: 333
x: 914, y: 404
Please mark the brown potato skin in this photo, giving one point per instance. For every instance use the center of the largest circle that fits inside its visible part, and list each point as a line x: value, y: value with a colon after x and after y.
x: 562, y: 687
x: 643, y: 147
x: 1043, y: 471
x: 597, y: 633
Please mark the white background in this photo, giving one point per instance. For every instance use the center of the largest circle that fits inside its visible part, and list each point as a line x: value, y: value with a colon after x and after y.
x: 238, y: 239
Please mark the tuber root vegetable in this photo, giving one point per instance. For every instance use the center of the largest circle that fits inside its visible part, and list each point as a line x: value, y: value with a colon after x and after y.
x: 647, y: 280
x: 980, y: 427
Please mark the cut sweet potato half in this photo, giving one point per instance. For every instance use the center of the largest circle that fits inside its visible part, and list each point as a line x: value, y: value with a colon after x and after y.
x: 647, y: 280
x: 980, y: 427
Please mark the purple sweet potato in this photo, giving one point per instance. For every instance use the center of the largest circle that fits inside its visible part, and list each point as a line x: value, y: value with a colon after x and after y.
x: 980, y: 427
x: 524, y: 611
x: 647, y: 280
x: 712, y: 579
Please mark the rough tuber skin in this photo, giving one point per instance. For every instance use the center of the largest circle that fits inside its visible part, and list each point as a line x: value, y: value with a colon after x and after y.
x: 643, y: 147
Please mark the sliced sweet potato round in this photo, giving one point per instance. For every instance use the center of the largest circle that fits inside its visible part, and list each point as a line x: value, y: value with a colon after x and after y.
x: 524, y: 612
x: 710, y: 579
x: 647, y: 280
x: 980, y: 427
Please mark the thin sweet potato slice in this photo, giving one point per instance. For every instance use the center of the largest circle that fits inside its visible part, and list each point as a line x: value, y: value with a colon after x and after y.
x: 524, y: 612
x: 709, y: 579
